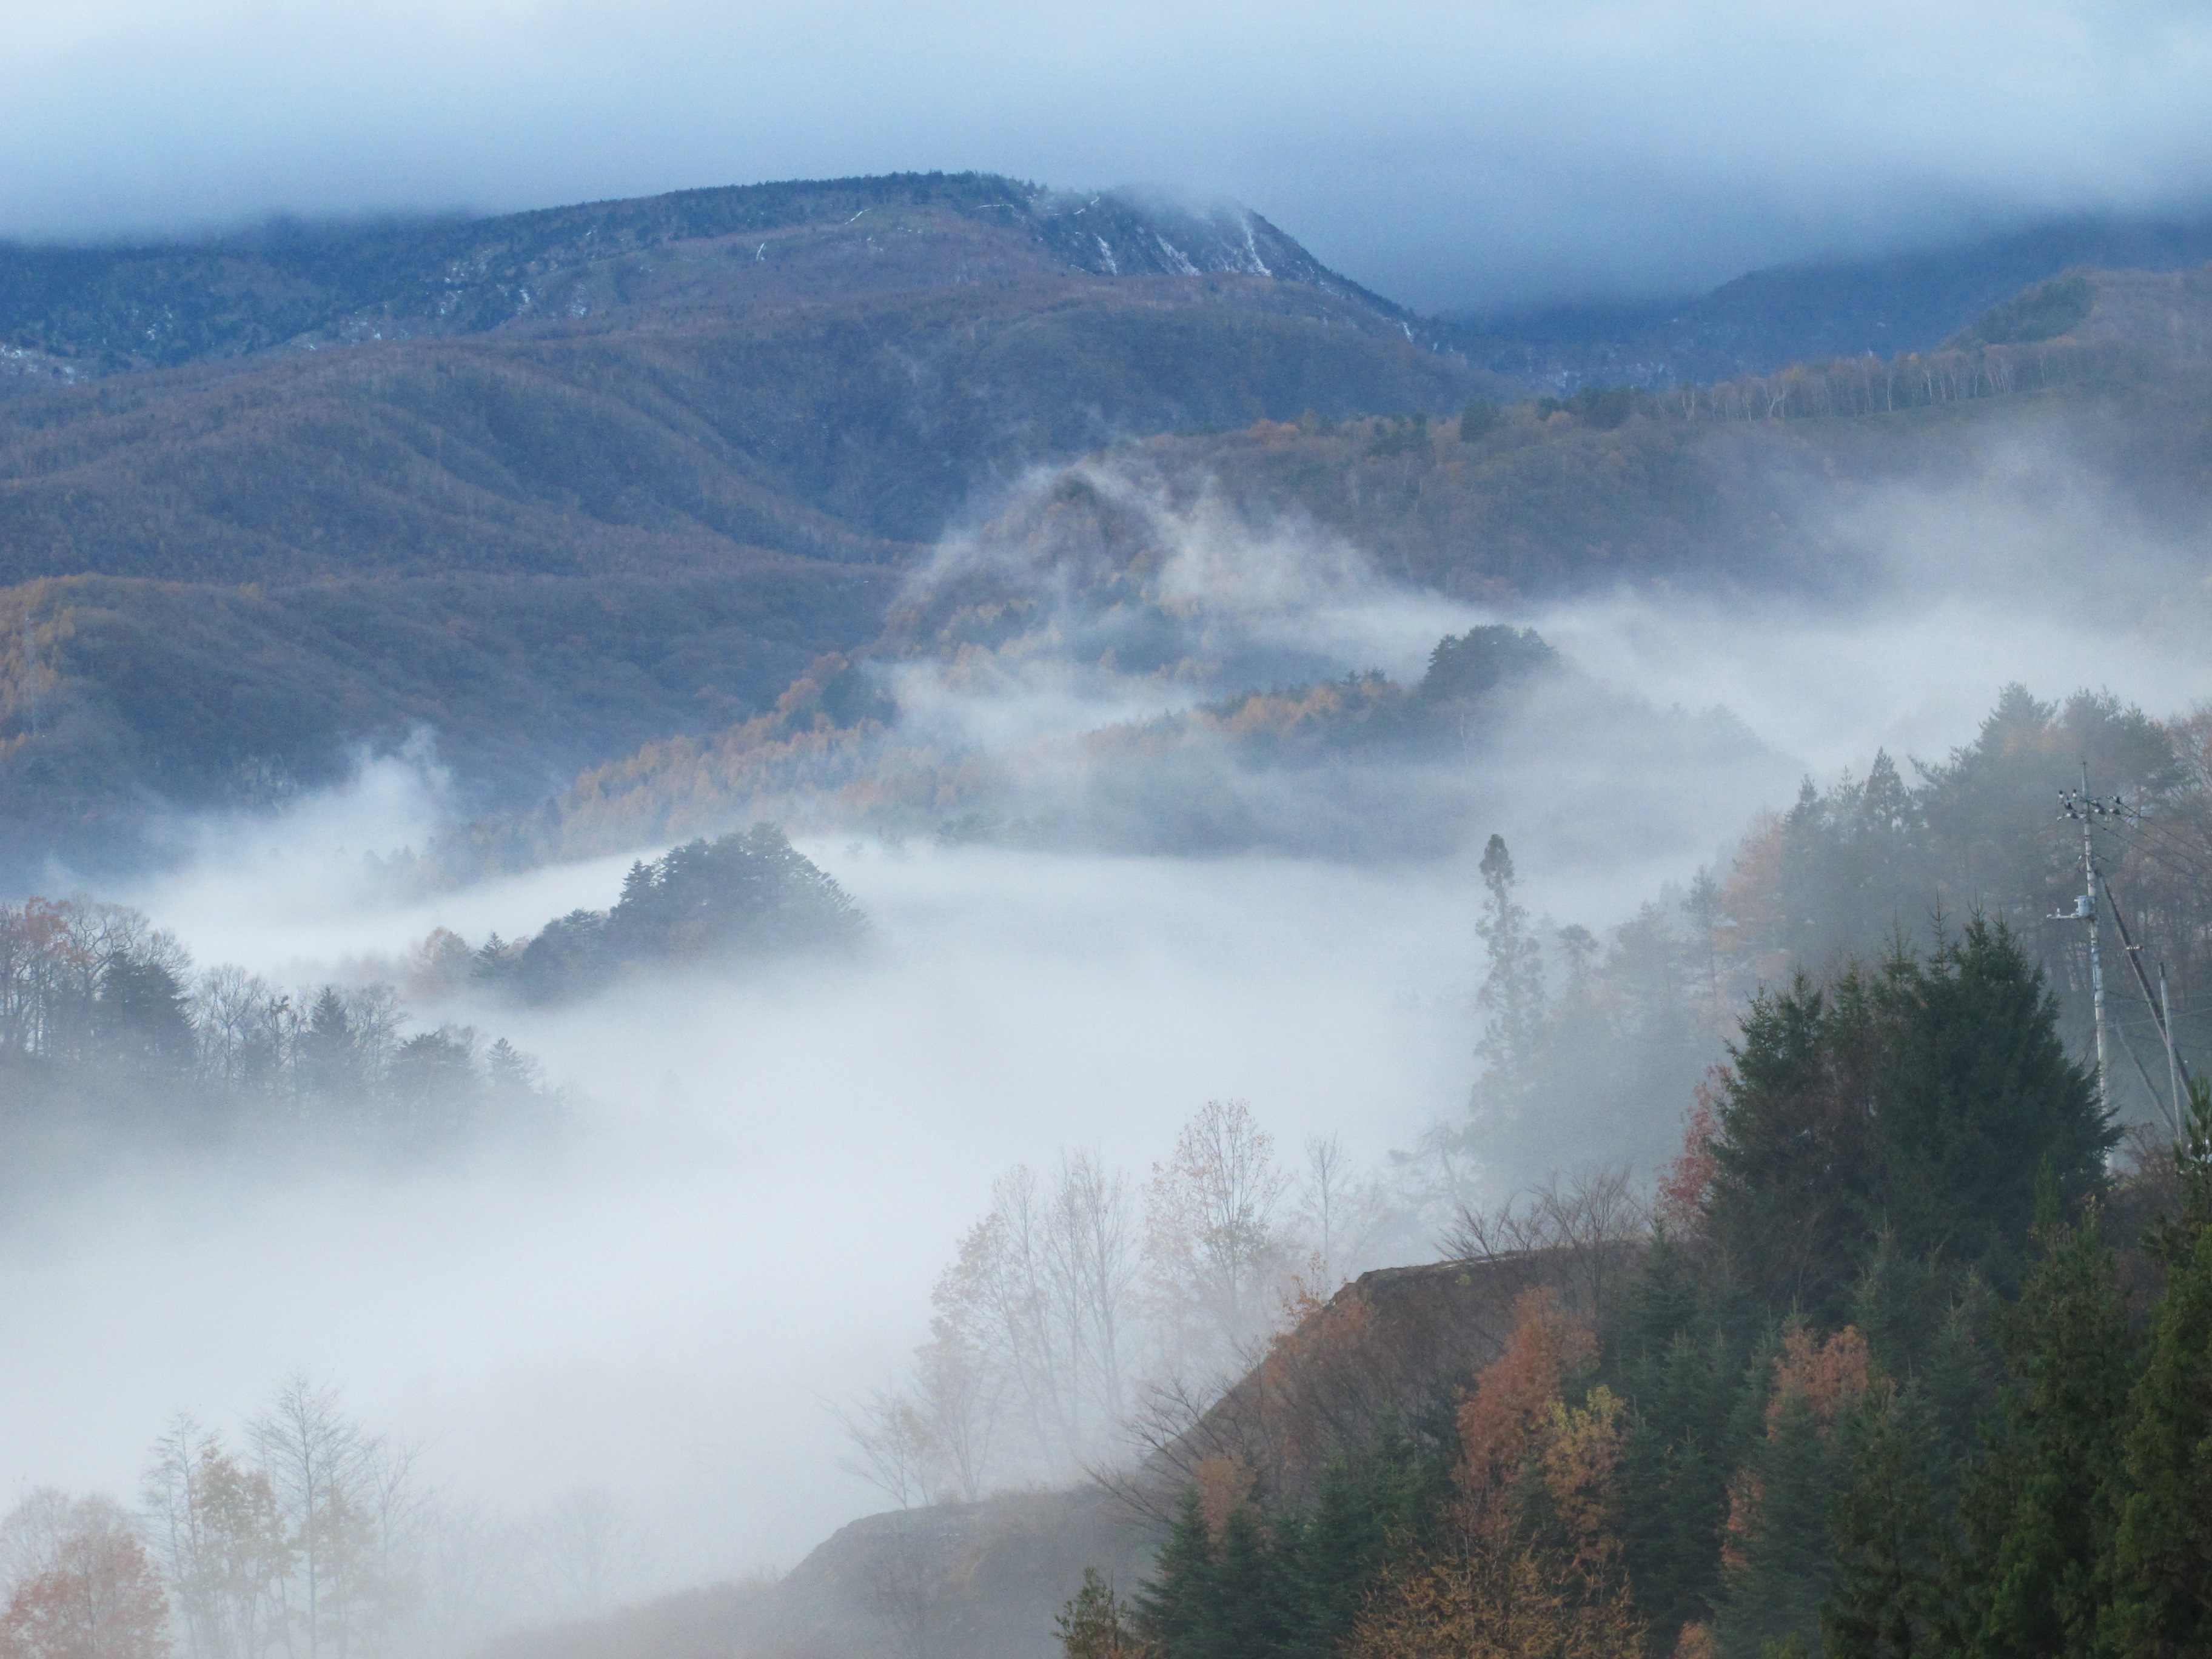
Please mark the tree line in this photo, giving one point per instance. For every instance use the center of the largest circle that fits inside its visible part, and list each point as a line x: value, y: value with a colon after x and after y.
x: 102, y: 1013
x: 1602, y: 1038
x: 747, y: 895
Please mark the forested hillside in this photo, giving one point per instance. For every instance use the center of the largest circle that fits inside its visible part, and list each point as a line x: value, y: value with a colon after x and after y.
x: 551, y: 534
x: 1905, y: 1368
x: 554, y: 484
x: 1205, y: 564
x: 78, y: 312
x: 115, y: 1048
x: 1359, y: 766
x: 1757, y: 482
x: 1905, y: 1352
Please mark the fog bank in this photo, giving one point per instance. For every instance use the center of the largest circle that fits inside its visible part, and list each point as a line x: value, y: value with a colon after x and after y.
x: 761, y: 1174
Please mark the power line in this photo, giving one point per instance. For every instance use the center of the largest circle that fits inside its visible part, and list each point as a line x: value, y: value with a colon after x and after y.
x: 2177, y: 1073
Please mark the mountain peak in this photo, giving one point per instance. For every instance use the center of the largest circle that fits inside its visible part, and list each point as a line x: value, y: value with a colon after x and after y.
x: 90, y: 311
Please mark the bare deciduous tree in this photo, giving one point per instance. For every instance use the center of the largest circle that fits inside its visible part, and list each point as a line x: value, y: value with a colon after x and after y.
x: 1217, y: 1257
x: 345, y: 1495
x: 894, y: 1450
x: 221, y: 1541
x: 1596, y: 1218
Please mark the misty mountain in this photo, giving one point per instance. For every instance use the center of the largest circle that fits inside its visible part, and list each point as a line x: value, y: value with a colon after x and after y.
x: 558, y: 488
x: 74, y: 313
x: 1812, y: 309
x: 556, y: 484
x: 1359, y: 767
x: 1228, y: 572
x: 1760, y: 484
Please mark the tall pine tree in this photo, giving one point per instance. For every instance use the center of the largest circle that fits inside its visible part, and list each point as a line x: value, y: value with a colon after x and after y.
x: 1174, y: 1610
x: 2162, y: 1553
x: 2041, y: 1506
x: 1889, y: 1600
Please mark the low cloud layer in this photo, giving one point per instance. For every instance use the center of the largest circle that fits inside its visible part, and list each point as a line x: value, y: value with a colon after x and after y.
x: 1448, y: 156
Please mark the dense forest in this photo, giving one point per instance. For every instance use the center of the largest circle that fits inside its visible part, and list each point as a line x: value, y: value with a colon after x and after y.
x: 1604, y: 1038
x: 747, y: 897
x: 113, y: 1044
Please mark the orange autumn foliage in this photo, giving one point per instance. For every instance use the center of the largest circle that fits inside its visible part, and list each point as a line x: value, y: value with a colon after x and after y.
x: 1509, y: 1585
x: 1685, y: 1182
x: 1828, y: 1379
x: 1223, y: 1484
x: 98, y: 1598
x: 1515, y: 1391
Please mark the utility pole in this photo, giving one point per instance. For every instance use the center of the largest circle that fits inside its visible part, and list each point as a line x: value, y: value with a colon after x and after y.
x: 2087, y: 809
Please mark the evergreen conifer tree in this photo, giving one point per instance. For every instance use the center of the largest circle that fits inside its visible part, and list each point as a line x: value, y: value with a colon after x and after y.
x: 1784, y: 1557
x: 1512, y: 995
x: 1914, y: 1105
x: 1888, y: 1601
x: 2039, y: 1509
x: 1977, y: 1096
x: 1248, y: 1614
x: 1341, y: 1546
x: 1684, y: 1441
x: 1174, y: 1611
x: 1794, y: 1167
x: 2162, y: 1553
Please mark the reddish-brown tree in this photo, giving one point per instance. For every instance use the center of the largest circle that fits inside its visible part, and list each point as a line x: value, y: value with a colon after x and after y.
x: 98, y: 1598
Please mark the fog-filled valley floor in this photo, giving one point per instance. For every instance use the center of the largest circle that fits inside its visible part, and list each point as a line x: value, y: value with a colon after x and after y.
x: 1230, y: 904
x: 645, y: 1302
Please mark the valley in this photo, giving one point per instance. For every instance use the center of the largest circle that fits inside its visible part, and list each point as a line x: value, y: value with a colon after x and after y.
x: 922, y: 918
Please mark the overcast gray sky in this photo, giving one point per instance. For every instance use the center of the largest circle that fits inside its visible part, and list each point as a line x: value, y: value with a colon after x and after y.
x: 1449, y: 155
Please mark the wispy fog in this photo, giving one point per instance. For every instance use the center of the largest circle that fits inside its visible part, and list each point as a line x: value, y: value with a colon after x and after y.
x: 762, y: 1182
x: 759, y: 1175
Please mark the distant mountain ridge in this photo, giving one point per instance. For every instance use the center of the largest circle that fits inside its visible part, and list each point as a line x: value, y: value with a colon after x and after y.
x: 556, y: 484
x: 71, y: 312
x: 1814, y: 309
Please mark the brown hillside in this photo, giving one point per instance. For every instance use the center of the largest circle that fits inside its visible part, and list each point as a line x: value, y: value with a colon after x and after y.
x: 461, y: 531
x: 1805, y: 482
x: 983, y: 1581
